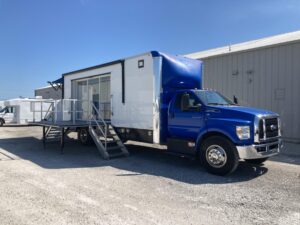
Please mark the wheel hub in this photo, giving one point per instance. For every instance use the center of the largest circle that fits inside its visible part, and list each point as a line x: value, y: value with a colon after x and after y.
x: 216, y: 156
x: 83, y: 135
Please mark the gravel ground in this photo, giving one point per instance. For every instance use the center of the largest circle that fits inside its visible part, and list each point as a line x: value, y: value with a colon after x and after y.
x: 40, y: 186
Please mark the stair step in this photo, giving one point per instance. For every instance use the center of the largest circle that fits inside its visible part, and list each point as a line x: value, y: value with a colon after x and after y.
x: 52, y: 140
x: 117, y: 154
x: 53, y: 135
x: 113, y: 148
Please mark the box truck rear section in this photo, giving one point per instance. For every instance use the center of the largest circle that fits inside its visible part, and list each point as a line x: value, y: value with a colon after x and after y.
x: 134, y: 93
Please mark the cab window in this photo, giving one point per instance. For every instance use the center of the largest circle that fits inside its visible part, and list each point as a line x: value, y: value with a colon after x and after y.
x: 10, y: 110
x: 5, y: 110
x: 193, y: 101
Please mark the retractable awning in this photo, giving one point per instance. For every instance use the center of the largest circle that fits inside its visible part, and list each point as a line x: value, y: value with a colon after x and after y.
x: 58, y: 81
x: 57, y: 84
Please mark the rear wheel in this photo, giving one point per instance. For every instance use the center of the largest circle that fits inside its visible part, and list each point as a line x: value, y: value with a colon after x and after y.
x: 84, y: 136
x: 219, y: 155
x: 1, y: 122
x: 256, y: 161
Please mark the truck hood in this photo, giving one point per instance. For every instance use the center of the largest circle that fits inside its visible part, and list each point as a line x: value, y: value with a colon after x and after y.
x: 254, y: 111
x: 241, y: 110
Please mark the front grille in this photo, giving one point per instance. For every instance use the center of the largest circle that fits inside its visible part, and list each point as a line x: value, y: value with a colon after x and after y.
x: 261, y: 129
x: 271, y: 127
x: 268, y: 128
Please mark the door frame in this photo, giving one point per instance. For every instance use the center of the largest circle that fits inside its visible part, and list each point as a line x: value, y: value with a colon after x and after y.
x: 74, y: 90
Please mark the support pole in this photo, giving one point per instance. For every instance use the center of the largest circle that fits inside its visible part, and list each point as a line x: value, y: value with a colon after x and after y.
x: 44, y: 137
x: 62, y: 140
x: 73, y: 113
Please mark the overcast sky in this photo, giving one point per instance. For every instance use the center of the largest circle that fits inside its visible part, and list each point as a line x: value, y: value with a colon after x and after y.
x: 40, y: 40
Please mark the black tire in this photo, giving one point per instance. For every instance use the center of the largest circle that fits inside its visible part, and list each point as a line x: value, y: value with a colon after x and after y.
x: 1, y: 122
x: 256, y: 161
x: 222, y: 148
x: 84, y: 136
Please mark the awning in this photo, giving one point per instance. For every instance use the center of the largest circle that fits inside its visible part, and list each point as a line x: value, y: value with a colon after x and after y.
x: 57, y: 84
x: 58, y: 81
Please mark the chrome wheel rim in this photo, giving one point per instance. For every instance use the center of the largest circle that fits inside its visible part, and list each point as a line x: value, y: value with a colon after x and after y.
x: 216, y: 156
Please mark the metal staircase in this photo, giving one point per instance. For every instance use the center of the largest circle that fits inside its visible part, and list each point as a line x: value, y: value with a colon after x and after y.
x: 105, y: 137
x: 53, y: 134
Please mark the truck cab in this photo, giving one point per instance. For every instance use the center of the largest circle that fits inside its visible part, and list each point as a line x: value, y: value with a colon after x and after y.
x: 7, y: 115
x: 207, y: 124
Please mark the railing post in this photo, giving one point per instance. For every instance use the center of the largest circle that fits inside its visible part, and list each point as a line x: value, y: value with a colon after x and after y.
x: 41, y: 111
x: 62, y: 110
x: 33, y: 110
x: 73, y: 112
x: 55, y: 111
x: 105, y: 137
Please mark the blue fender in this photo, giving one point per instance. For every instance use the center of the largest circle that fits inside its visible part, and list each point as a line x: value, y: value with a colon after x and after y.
x: 214, y: 130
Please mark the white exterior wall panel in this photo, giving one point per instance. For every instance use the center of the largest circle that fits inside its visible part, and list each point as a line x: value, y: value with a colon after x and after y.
x: 137, y: 112
x: 265, y: 78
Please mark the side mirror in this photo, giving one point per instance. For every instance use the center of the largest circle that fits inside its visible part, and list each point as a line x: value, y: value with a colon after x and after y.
x: 185, y: 102
x: 195, y: 108
x: 235, y: 100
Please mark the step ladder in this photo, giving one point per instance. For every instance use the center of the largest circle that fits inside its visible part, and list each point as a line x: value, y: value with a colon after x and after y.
x: 53, y: 134
x: 105, y: 137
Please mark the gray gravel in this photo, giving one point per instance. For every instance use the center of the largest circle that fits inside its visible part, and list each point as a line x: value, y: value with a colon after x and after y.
x: 40, y: 186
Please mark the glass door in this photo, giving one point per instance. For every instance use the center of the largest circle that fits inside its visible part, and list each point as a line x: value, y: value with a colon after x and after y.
x: 82, y: 110
x: 105, y: 99
x: 94, y: 90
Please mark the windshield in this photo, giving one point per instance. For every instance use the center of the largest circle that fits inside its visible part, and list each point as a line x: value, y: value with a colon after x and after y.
x: 3, y: 110
x: 213, y: 98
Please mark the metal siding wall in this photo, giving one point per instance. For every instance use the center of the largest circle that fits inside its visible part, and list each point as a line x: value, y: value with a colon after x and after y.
x: 267, y: 78
x: 295, y: 88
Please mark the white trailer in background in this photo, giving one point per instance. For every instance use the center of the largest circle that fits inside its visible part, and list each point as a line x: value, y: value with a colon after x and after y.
x: 1, y: 105
x: 21, y: 111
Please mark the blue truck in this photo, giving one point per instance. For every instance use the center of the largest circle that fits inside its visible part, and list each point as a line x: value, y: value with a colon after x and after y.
x: 159, y: 98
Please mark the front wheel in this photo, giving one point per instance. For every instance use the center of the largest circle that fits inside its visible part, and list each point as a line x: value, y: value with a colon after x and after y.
x: 1, y: 122
x: 219, y: 155
x: 256, y: 161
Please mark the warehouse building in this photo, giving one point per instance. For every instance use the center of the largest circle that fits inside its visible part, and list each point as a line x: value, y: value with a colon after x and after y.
x: 49, y: 92
x: 263, y: 73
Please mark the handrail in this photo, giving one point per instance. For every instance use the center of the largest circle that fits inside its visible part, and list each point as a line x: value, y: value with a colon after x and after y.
x: 69, y: 110
x: 104, y: 133
x: 48, y: 111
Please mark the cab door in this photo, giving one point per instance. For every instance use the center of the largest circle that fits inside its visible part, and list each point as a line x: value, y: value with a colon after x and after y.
x: 9, y: 115
x: 186, y: 121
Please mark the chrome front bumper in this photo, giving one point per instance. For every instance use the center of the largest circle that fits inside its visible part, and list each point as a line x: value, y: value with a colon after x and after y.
x: 260, y: 150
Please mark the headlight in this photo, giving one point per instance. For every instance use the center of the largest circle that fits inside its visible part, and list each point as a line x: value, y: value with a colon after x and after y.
x: 243, y: 132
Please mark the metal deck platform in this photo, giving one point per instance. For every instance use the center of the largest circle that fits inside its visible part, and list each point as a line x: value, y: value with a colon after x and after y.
x: 66, y: 115
x: 67, y: 124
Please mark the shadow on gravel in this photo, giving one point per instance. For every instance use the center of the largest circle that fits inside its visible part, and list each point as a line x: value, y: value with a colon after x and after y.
x: 289, y: 154
x: 143, y: 160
